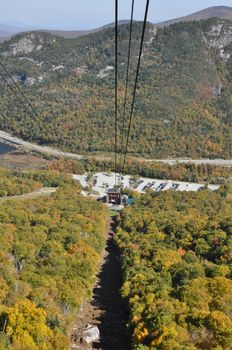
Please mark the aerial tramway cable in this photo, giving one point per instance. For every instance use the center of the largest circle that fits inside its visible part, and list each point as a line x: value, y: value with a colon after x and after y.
x: 18, y: 88
x: 127, y: 81
x: 136, y: 84
x: 12, y: 90
x: 20, y: 99
x: 116, y: 87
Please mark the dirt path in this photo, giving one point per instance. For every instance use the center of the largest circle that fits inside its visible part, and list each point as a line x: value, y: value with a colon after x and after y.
x: 106, y: 309
x: 45, y: 191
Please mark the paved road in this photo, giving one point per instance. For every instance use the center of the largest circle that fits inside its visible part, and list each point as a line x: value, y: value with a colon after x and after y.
x: 15, y: 141
x: 215, y: 162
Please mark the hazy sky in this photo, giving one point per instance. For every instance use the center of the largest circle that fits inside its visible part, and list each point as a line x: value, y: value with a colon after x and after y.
x: 82, y: 14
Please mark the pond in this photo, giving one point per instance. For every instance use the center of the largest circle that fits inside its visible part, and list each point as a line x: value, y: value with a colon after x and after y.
x: 4, y: 148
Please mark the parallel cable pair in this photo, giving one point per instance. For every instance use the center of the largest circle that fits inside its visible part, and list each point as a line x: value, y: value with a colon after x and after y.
x: 124, y: 150
x: 19, y: 89
x: 26, y: 104
x: 12, y: 90
x: 126, y: 89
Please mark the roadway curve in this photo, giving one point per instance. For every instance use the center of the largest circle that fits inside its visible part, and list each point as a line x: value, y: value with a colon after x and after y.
x: 17, y: 142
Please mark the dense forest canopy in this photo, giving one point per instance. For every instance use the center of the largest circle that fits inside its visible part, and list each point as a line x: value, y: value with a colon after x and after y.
x: 157, y: 170
x: 49, y: 255
x: 14, y: 183
x: 177, y: 265
x: 183, y: 105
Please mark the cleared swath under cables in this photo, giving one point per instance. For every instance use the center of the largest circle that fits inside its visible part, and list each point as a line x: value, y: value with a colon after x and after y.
x: 127, y: 81
x: 26, y: 106
x: 136, y: 83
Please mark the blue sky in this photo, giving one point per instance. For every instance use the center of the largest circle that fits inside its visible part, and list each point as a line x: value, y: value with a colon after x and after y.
x: 83, y: 14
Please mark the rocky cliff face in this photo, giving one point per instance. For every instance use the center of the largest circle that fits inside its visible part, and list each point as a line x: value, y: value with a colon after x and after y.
x: 220, y: 35
x: 27, y: 43
x: 217, y: 36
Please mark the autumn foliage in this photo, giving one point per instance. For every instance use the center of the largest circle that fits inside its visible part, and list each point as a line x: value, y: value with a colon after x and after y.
x: 49, y: 255
x: 177, y: 265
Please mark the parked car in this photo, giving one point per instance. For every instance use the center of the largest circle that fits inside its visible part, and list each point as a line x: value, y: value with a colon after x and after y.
x: 175, y: 187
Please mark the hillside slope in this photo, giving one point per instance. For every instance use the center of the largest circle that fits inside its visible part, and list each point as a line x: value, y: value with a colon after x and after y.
x: 176, y: 262
x: 51, y: 250
x: 71, y: 34
x: 6, y: 30
x: 183, y: 105
x: 222, y: 12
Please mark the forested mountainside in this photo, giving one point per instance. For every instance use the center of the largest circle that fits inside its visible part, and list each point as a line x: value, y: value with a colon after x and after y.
x: 176, y: 258
x: 183, y: 105
x: 49, y: 255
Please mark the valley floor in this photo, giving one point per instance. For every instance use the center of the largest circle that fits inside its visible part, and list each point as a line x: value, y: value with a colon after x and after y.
x: 45, y: 150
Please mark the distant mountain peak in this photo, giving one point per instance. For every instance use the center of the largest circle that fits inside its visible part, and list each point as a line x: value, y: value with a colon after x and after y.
x: 223, y: 12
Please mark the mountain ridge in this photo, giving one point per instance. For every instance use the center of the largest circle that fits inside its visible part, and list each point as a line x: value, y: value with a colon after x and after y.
x: 6, y: 34
x: 72, y: 34
x: 223, y: 12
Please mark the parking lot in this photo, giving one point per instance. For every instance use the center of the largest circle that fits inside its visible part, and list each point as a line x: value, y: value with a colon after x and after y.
x: 101, y: 182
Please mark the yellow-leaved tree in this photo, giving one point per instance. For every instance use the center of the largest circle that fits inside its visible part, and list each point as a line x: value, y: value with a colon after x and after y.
x: 26, y: 327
